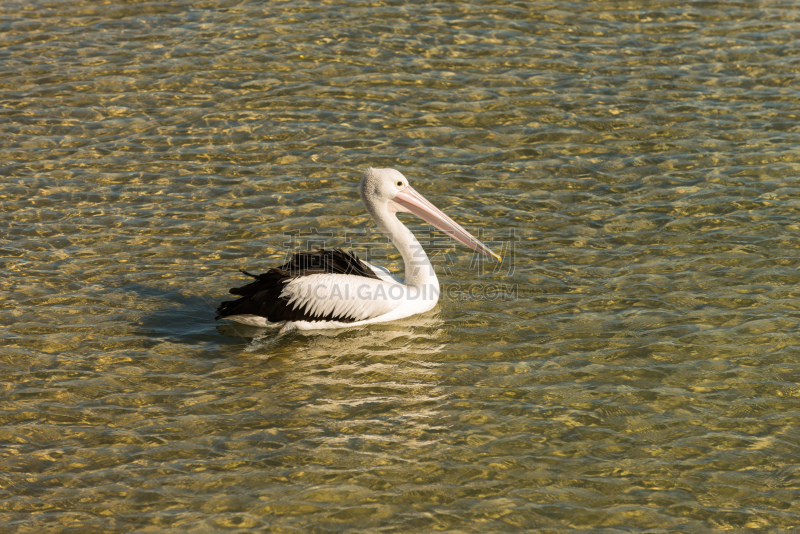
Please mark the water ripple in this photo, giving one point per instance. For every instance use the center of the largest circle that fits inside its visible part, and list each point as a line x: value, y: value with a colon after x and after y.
x: 631, y: 366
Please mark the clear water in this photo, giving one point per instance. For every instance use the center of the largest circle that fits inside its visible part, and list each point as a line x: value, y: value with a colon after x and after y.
x: 633, y: 365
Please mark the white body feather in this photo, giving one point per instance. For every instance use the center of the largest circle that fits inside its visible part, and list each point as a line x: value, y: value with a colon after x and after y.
x: 364, y: 300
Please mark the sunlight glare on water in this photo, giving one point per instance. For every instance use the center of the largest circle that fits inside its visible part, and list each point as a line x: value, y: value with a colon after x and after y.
x: 631, y: 366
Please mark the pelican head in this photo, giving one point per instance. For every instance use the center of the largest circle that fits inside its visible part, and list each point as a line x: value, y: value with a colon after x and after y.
x: 386, y: 191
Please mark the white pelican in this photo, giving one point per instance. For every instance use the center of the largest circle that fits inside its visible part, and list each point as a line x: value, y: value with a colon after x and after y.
x: 334, y: 289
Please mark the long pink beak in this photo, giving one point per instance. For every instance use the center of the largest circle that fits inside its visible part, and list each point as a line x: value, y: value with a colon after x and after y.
x: 409, y: 200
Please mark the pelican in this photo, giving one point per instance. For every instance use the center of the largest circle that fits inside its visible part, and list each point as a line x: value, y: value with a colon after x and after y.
x: 331, y: 288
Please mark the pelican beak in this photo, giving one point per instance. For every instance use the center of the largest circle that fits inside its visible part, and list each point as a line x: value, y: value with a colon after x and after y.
x: 408, y: 200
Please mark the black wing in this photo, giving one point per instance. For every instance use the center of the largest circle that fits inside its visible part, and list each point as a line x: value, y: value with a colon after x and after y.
x: 262, y: 297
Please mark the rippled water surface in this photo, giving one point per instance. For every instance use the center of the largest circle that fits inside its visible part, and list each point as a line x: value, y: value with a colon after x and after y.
x: 631, y: 366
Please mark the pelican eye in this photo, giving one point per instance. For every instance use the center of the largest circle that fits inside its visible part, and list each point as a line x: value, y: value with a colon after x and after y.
x: 399, y: 184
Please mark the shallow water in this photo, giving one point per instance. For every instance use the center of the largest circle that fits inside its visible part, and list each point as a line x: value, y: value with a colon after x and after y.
x: 631, y: 366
